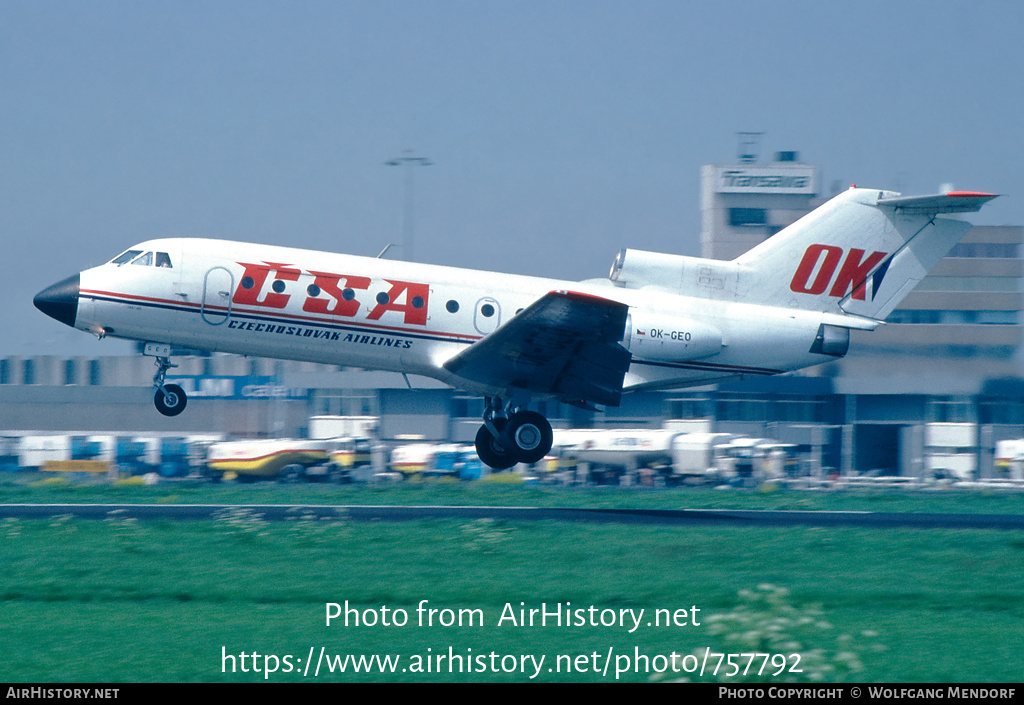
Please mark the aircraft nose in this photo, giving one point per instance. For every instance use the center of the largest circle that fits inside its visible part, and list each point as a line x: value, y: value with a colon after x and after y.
x: 60, y: 301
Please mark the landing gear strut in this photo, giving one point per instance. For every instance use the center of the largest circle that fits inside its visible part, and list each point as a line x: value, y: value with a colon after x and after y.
x: 512, y: 435
x: 170, y: 399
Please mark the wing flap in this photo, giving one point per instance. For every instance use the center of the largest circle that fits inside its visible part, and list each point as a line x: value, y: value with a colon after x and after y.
x: 565, y: 344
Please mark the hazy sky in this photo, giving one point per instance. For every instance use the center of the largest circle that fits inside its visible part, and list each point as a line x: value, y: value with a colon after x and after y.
x: 560, y: 131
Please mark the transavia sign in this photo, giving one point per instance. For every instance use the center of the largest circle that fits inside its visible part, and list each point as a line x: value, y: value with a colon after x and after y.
x: 775, y: 178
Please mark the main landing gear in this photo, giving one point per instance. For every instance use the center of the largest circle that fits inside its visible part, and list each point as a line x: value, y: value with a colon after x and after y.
x: 512, y: 435
x: 170, y: 399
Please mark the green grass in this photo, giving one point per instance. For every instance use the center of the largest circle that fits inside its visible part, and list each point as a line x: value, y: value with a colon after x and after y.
x: 129, y: 601
x: 481, y: 493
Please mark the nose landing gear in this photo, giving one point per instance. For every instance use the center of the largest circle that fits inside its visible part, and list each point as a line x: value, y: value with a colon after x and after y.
x: 170, y: 399
x: 512, y: 435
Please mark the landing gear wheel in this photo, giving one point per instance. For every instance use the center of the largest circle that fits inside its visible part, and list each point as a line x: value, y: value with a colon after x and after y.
x: 528, y: 435
x: 170, y: 400
x: 490, y: 451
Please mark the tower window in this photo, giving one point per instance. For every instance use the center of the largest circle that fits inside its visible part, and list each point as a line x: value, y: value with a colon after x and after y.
x: 748, y: 217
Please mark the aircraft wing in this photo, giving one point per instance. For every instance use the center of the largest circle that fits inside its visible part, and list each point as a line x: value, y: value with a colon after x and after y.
x: 565, y: 344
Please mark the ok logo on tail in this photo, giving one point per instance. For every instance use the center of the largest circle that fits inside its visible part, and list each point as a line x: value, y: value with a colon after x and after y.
x: 817, y: 270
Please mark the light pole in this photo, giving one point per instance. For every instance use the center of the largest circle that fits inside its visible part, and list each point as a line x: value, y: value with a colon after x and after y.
x: 408, y: 163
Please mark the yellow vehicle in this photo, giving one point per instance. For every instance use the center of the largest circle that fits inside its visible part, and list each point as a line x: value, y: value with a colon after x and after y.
x: 286, y: 459
x: 351, y: 453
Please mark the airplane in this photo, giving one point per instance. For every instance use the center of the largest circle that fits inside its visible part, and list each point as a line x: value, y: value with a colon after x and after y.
x: 658, y: 321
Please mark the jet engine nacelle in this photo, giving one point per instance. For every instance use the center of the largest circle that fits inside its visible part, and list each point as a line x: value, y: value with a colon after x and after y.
x: 670, y: 338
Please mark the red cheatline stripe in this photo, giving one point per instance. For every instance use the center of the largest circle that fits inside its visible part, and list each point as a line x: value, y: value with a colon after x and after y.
x: 280, y: 314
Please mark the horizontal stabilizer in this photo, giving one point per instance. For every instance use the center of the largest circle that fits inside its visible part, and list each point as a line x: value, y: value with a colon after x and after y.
x: 952, y: 202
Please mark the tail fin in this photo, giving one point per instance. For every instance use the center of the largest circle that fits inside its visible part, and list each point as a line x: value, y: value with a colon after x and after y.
x: 861, y: 253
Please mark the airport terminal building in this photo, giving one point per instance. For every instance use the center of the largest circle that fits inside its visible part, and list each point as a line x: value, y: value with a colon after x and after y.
x: 934, y: 388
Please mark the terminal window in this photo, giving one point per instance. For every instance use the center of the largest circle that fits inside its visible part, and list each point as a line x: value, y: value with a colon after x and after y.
x: 748, y: 217
x: 689, y: 408
x: 345, y: 402
x: 467, y: 407
x: 1001, y: 411
x: 983, y: 249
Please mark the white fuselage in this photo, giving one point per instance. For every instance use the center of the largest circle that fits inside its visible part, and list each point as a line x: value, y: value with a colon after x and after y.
x: 268, y: 301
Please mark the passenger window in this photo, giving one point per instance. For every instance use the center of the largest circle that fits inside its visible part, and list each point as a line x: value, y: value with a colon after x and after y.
x: 125, y: 256
x: 163, y: 260
x: 145, y: 260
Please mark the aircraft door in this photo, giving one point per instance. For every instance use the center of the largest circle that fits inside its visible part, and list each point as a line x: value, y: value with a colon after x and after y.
x: 218, y: 284
x: 487, y: 316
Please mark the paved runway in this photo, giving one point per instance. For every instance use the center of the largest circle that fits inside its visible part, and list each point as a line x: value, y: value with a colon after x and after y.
x: 650, y: 517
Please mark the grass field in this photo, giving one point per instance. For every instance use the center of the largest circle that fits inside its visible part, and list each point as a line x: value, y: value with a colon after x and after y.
x: 122, y: 600
x: 942, y: 499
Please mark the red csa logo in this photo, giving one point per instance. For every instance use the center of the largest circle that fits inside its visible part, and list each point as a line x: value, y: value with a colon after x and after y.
x: 330, y: 294
x: 821, y: 262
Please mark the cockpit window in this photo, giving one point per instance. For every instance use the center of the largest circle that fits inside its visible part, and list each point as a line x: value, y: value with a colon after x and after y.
x: 162, y: 259
x: 125, y: 256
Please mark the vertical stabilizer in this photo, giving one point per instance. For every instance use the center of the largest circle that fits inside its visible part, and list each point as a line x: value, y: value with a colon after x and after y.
x: 861, y: 253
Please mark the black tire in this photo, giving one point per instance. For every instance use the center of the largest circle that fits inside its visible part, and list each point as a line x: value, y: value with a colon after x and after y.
x: 528, y: 436
x: 337, y: 475
x: 170, y: 400
x: 291, y: 474
x: 492, y: 453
